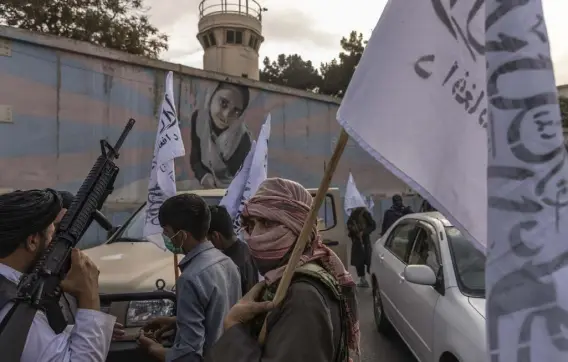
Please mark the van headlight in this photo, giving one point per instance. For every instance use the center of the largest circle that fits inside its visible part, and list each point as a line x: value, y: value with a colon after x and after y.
x: 143, y: 311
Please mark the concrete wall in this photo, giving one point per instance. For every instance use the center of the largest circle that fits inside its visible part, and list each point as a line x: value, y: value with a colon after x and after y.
x: 58, y: 98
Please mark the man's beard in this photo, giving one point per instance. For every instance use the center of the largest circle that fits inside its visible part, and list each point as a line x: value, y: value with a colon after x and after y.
x: 39, y: 253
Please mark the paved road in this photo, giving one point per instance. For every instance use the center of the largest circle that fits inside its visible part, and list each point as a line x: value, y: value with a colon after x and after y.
x: 377, y: 348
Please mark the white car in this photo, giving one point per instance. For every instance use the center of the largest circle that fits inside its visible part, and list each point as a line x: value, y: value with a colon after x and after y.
x: 429, y: 284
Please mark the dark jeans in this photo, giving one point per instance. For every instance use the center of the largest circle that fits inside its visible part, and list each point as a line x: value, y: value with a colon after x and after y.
x: 360, y: 270
x: 361, y: 257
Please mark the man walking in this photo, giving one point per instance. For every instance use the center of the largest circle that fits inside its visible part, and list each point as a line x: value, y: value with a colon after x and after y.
x: 360, y: 225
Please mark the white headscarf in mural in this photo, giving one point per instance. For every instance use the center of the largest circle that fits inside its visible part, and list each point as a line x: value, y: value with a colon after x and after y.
x: 222, y: 110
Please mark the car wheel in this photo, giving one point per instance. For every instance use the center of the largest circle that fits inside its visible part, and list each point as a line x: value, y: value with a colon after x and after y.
x: 381, y: 322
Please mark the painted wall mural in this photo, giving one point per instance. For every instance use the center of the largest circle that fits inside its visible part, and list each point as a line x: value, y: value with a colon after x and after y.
x: 220, y: 139
x: 63, y: 103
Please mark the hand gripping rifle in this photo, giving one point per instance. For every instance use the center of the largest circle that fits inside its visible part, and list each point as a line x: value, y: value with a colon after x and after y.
x: 40, y: 287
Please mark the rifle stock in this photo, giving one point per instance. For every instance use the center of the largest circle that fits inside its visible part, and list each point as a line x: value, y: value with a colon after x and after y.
x: 40, y: 288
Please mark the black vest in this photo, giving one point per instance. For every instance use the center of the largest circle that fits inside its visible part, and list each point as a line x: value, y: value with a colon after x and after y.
x: 59, y: 314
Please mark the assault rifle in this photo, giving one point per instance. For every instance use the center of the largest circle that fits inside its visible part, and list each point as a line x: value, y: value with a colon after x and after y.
x: 40, y: 288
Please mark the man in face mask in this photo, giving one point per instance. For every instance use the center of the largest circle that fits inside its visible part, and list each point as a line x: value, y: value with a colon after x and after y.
x: 26, y: 230
x: 395, y: 212
x: 209, y: 284
x: 317, y: 321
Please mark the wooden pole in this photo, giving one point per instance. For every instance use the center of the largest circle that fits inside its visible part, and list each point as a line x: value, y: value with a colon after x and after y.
x: 176, y: 269
x: 307, y: 228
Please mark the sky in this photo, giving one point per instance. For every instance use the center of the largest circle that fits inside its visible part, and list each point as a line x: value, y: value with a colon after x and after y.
x: 313, y: 28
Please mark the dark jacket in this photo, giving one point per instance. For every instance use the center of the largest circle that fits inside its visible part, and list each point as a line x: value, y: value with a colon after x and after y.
x: 240, y: 255
x: 59, y: 315
x: 360, y: 220
x: 392, y: 215
x: 306, y: 327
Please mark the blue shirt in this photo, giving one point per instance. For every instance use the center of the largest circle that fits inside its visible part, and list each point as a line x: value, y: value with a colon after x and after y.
x: 209, y: 285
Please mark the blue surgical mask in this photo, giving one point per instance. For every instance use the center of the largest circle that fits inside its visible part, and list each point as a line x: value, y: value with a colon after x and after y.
x: 170, y: 245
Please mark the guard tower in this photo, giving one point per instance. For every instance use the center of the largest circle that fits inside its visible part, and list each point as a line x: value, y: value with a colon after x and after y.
x: 230, y: 32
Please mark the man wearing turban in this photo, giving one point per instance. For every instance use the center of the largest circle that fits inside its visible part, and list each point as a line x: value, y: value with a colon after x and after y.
x: 317, y: 321
x: 26, y: 230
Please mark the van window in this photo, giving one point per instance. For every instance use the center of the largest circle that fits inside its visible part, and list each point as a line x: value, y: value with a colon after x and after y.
x: 135, y: 229
x: 326, y: 215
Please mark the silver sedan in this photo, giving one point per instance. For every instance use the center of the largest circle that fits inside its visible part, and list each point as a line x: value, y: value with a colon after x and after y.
x: 429, y: 286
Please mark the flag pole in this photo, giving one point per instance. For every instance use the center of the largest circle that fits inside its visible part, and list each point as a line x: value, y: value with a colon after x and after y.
x: 176, y: 269
x: 307, y: 228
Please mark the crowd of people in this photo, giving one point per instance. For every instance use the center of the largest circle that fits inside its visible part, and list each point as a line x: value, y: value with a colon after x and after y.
x: 221, y: 307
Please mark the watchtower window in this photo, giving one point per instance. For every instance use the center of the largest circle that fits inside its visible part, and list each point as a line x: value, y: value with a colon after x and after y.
x: 230, y: 37
x: 212, y: 40
x: 253, y: 42
x: 208, y: 40
x: 238, y: 37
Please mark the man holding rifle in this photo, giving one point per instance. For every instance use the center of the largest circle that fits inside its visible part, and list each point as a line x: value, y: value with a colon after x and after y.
x: 69, y: 305
x: 26, y: 229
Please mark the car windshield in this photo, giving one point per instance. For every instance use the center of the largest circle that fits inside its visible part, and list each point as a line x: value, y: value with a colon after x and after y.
x: 134, y: 230
x: 469, y: 264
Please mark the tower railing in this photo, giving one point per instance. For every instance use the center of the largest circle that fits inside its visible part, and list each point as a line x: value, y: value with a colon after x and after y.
x: 242, y: 7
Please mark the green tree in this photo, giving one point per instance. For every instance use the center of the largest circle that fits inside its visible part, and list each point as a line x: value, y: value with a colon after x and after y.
x: 337, y: 73
x: 291, y: 71
x: 564, y: 110
x: 332, y: 78
x: 116, y: 24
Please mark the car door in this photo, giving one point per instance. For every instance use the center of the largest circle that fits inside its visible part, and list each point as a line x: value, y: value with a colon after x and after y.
x: 419, y: 301
x: 392, y: 263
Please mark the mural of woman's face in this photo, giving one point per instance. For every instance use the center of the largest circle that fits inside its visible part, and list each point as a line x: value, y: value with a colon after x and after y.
x: 227, y: 105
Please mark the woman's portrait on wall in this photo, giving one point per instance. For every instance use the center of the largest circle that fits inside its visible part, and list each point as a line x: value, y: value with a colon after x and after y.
x: 220, y: 140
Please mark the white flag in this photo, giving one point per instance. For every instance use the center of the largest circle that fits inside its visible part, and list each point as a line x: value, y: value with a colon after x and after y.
x: 370, y: 204
x: 234, y: 194
x: 168, y: 146
x: 257, y: 173
x: 417, y: 104
x: 527, y: 265
x: 353, y: 198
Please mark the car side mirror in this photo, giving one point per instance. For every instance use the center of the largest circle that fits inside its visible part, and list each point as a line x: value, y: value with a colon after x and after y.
x: 420, y: 274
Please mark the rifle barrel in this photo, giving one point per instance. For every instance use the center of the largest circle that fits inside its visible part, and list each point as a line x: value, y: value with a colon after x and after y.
x: 125, y: 133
